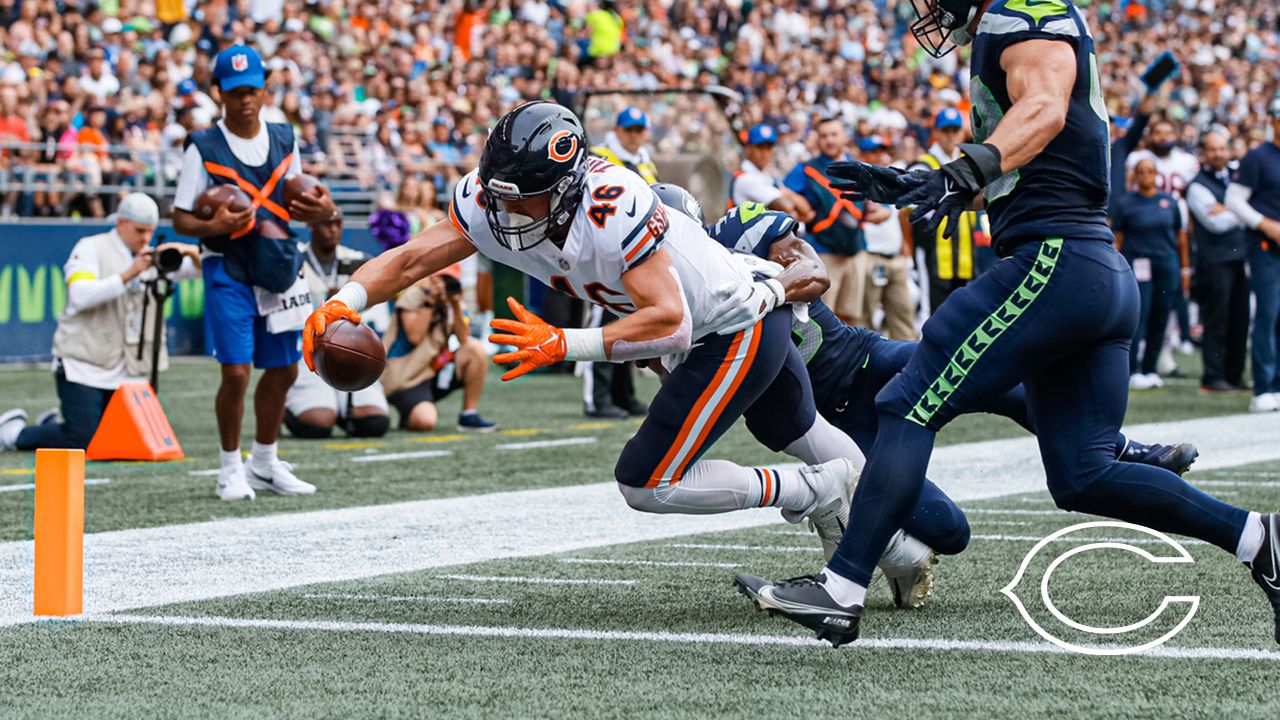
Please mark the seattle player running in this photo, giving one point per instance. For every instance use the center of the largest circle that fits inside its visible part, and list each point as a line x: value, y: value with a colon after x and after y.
x: 596, y: 231
x: 1056, y: 314
x: 849, y: 365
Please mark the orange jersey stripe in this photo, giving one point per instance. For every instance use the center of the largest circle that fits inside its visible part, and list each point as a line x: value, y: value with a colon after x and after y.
x: 692, y: 419
x: 644, y: 242
x: 715, y: 415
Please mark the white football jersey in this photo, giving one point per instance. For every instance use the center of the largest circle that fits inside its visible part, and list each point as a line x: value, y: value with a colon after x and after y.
x: 619, y: 223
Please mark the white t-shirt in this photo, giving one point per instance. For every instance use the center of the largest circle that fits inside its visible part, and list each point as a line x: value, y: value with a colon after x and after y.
x: 884, y: 238
x: 102, y: 87
x: 753, y: 185
x: 594, y: 257
x: 253, y: 152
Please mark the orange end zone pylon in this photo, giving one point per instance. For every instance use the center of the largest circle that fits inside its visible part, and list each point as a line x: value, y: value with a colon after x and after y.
x: 59, y: 532
x: 134, y: 427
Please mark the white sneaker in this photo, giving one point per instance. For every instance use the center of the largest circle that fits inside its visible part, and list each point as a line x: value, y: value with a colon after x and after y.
x: 280, y: 480
x: 11, y: 424
x: 232, y: 484
x: 907, y: 565
x: 1266, y: 402
x: 1186, y: 348
x: 1155, y: 380
x: 1138, y: 381
x: 833, y: 483
x: 1165, y: 362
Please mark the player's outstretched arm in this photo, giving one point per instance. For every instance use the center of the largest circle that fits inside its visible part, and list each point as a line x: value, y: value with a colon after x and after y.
x: 378, y: 280
x: 804, y: 276
x: 1040, y: 75
x: 661, y: 324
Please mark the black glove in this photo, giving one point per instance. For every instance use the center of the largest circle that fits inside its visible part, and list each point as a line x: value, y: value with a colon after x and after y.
x: 947, y: 192
x: 862, y: 181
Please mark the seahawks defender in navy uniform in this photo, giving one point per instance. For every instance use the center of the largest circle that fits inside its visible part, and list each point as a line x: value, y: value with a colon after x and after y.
x: 848, y: 365
x: 1056, y: 314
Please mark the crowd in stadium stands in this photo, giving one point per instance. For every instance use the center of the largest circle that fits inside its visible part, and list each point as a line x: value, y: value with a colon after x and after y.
x: 395, y: 96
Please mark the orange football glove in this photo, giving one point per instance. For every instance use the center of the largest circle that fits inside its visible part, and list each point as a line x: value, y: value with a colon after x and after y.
x: 329, y: 312
x: 540, y: 344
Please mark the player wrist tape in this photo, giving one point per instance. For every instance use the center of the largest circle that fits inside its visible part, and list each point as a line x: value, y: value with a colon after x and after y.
x: 353, y: 295
x: 584, y: 344
x: 984, y: 159
x: 779, y: 292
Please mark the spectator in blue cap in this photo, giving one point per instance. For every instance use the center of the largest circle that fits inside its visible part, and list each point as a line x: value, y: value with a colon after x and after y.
x: 754, y: 183
x: 251, y: 274
x: 950, y: 262
x: 625, y: 145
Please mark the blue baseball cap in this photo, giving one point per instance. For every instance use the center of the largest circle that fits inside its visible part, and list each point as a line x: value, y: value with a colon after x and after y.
x: 239, y: 66
x: 762, y: 134
x: 186, y: 87
x: 871, y: 143
x: 632, y: 117
x: 948, y: 118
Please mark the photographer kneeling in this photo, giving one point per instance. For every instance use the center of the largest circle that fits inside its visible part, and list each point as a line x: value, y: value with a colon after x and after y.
x: 312, y: 408
x: 421, y: 367
x: 103, y: 340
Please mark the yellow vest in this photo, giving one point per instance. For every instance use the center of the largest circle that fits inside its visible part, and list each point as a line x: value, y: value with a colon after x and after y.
x: 948, y: 267
x: 648, y: 170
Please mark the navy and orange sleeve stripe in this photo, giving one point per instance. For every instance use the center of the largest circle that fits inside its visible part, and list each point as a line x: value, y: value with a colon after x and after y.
x: 646, y: 237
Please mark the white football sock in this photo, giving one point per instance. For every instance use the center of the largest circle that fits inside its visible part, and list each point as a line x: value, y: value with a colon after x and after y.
x: 229, y: 458
x: 825, y: 442
x: 842, y: 589
x: 708, y: 486
x: 264, y: 456
x: 1250, y: 538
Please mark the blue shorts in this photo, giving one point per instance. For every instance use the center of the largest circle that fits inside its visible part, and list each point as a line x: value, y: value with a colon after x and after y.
x: 234, y: 332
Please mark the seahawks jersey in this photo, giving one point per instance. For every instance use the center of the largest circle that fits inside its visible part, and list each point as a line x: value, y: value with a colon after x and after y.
x: 833, y: 352
x: 1063, y: 191
x: 618, y: 225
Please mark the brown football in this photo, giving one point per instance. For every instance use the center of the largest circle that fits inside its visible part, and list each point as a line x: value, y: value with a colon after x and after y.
x: 297, y: 186
x: 349, y: 357
x: 210, y: 200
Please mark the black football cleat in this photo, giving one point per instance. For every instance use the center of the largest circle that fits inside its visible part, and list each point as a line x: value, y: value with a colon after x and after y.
x: 1266, y: 565
x: 1176, y: 459
x: 804, y: 600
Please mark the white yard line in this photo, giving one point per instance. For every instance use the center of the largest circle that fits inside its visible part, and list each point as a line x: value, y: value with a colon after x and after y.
x: 534, y: 444
x: 753, y: 548
x: 32, y: 486
x: 412, y: 455
x: 649, y: 563
x: 198, y: 561
x: 798, y: 640
x: 517, y: 580
x: 410, y: 598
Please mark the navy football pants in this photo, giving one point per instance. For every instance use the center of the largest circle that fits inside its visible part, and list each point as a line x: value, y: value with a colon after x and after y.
x: 1057, y: 316
x: 756, y: 373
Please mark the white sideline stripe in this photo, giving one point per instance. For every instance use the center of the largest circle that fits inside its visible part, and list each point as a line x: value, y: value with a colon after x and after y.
x: 409, y: 598
x: 204, y: 473
x: 545, y: 443
x: 148, y: 567
x: 1163, y: 652
x: 32, y: 486
x: 535, y: 580
x: 1085, y: 538
x: 401, y: 455
x: 649, y: 563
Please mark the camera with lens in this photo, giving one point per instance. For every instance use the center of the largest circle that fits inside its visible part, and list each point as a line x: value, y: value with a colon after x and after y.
x: 168, y: 261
